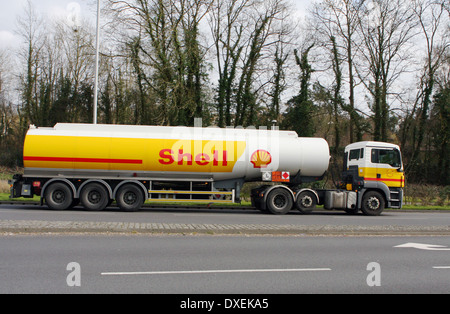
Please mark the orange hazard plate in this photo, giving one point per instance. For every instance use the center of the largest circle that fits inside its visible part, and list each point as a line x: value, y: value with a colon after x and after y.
x: 281, y: 176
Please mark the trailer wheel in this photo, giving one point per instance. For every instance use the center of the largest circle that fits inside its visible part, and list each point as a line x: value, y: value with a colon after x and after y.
x: 279, y: 201
x: 306, y: 202
x: 372, y: 203
x: 94, y: 197
x: 58, y: 196
x: 130, y: 198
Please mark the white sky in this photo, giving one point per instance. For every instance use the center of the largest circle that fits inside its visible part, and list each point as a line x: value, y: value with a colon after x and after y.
x: 11, y: 9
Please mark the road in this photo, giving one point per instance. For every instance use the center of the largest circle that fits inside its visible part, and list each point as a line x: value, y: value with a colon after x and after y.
x: 222, y: 264
x: 196, y: 263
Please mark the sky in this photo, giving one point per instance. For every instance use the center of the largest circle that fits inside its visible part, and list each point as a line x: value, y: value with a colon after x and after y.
x: 11, y: 9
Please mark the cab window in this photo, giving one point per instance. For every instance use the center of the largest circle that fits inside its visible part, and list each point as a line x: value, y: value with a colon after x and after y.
x: 356, y: 154
x: 386, y: 156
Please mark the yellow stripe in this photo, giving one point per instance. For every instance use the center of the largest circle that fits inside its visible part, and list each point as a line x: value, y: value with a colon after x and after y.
x: 391, y: 177
x: 205, y: 156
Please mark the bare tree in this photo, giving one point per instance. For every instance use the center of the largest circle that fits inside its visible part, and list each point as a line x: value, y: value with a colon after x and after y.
x: 243, y: 33
x: 167, y: 54
x: 278, y: 80
x: 433, y: 20
x: 30, y: 29
x: 262, y: 30
x: 430, y: 15
x: 6, y: 112
x: 336, y: 27
x: 387, y: 27
x: 227, y: 28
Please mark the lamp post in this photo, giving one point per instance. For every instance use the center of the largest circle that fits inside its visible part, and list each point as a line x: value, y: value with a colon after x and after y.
x: 96, y: 63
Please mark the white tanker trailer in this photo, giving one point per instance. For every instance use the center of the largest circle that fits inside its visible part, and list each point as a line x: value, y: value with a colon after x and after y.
x: 97, y: 164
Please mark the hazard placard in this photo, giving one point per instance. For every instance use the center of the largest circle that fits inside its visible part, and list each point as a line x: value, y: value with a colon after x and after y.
x: 281, y: 176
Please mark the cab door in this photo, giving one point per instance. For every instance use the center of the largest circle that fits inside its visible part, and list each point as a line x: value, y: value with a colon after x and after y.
x: 387, y: 167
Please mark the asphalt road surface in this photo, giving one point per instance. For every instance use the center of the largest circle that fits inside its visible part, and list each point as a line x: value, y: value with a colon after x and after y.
x: 70, y: 259
x: 223, y: 264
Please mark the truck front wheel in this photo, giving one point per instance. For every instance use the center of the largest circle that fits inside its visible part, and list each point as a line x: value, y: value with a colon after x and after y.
x: 373, y: 203
x: 279, y: 201
x: 58, y: 196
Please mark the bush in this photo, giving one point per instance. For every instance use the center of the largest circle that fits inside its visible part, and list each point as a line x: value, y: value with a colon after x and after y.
x: 444, y: 196
x: 4, y: 186
x: 426, y: 194
x: 11, y: 158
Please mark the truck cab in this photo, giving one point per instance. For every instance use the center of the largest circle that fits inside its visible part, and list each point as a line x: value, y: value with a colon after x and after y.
x: 376, y: 167
x: 372, y: 180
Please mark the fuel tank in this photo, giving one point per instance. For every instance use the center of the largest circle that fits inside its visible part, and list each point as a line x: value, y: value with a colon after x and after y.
x: 179, y: 153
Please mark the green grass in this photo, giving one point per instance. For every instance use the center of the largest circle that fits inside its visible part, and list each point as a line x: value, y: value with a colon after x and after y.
x: 426, y: 207
x: 5, y: 197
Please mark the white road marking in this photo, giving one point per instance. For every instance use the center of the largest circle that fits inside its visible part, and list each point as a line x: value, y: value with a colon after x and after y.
x: 214, y: 271
x: 421, y: 246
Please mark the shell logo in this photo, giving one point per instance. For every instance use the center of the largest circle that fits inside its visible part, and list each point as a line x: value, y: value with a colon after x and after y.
x: 261, y: 159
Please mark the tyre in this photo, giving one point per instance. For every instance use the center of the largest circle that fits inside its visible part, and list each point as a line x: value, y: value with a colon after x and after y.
x: 306, y: 202
x: 130, y: 198
x: 279, y: 201
x: 372, y: 203
x: 58, y: 196
x: 94, y: 197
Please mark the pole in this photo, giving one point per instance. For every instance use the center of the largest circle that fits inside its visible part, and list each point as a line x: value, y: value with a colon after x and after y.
x: 96, y: 63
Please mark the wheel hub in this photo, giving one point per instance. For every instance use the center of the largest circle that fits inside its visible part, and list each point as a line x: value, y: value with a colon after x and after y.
x: 130, y: 198
x: 306, y: 201
x: 374, y: 203
x: 59, y: 197
x: 94, y: 197
x: 279, y: 201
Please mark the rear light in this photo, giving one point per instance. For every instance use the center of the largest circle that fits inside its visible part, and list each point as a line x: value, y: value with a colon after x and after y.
x: 37, y: 187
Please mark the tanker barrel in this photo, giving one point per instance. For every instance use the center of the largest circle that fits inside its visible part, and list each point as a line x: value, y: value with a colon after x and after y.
x: 213, y: 154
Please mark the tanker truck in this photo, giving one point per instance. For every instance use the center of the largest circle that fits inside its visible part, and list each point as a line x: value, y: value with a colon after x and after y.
x: 94, y: 165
